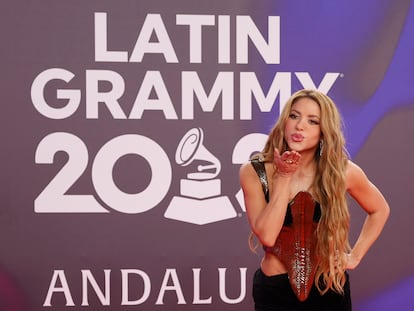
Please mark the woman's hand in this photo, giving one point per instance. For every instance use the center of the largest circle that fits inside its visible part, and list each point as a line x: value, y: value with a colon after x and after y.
x: 287, y: 163
x: 352, y: 262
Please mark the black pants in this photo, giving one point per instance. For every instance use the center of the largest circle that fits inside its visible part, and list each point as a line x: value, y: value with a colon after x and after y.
x: 274, y: 293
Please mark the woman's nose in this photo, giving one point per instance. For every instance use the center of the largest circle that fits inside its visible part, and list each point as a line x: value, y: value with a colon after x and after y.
x: 299, y: 124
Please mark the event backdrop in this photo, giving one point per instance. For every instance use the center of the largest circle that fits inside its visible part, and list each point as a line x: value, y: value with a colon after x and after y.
x: 124, y: 124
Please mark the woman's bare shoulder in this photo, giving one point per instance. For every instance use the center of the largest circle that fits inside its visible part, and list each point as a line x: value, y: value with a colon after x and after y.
x: 355, y: 176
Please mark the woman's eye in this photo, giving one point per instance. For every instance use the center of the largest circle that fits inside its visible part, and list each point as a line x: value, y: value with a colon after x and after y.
x: 313, y: 122
x: 293, y: 116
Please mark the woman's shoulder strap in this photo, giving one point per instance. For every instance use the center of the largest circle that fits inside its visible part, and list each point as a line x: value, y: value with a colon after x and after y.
x: 259, y: 167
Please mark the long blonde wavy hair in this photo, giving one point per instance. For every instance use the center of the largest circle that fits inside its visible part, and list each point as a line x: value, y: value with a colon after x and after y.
x: 328, y: 188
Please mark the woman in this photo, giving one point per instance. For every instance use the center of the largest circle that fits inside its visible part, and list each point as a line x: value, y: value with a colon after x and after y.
x: 295, y: 197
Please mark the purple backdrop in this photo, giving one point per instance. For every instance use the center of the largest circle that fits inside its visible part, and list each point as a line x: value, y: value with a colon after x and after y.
x: 124, y: 125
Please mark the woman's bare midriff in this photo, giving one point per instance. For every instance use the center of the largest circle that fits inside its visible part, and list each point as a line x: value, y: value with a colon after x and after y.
x: 271, y: 265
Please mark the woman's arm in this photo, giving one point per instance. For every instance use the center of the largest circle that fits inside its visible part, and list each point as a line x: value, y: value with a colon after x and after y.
x: 373, y: 202
x: 266, y: 219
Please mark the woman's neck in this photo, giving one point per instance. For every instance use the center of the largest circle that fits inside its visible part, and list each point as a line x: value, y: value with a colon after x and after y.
x: 307, y: 164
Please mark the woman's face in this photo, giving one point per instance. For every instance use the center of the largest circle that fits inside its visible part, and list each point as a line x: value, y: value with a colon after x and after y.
x: 302, y: 129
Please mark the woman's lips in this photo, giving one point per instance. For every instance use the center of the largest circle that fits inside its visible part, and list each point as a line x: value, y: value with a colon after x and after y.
x: 297, y: 137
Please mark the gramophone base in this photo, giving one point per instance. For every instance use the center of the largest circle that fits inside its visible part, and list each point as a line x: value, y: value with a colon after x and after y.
x: 200, y: 212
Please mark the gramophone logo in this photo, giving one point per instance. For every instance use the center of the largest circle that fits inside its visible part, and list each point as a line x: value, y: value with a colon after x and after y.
x: 200, y: 201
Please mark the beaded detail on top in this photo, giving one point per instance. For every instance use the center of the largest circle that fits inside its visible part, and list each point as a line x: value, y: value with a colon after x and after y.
x: 296, y: 243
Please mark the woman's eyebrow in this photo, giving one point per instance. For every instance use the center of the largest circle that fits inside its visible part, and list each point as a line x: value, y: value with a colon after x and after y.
x: 310, y: 115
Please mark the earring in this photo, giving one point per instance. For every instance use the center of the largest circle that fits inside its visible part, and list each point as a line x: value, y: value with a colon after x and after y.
x: 320, y: 147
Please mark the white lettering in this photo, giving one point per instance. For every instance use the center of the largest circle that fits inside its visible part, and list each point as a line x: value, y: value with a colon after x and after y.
x: 195, y: 23
x: 197, y: 300
x: 128, y: 277
x: 174, y: 287
x: 153, y: 85
x: 101, y: 42
x: 105, y: 186
x: 110, y: 98
x: 58, y: 274
x: 223, y: 86
x: 325, y: 85
x: 222, y: 286
x: 224, y: 39
x: 153, y: 24
x: 246, y: 29
x: 281, y: 85
x: 54, y: 197
x: 153, y: 81
x: 249, y: 85
x: 125, y: 287
x: 38, y: 99
x: 104, y: 297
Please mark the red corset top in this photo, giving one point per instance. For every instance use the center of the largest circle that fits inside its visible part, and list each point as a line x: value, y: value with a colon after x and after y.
x: 296, y: 242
